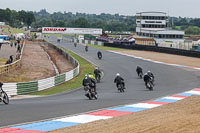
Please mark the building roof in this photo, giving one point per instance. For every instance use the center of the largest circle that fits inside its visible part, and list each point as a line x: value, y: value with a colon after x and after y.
x: 151, y: 13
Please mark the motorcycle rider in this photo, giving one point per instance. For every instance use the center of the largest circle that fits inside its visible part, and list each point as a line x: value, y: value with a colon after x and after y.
x: 86, y: 48
x: 147, y: 78
x: 139, y: 70
x: 97, y: 72
x: 88, y: 81
x: 93, y: 80
x: 151, y: 75
x: 99, y: 54
x: 119, y: 80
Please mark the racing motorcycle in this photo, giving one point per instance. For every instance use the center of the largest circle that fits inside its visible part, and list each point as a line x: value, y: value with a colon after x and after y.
x: 3, y: 95
x: 90, y: 93
x: 99, y: 56
x: 86, y: 48
x: 150, y: 85
x: 120, y: 87
x: 98, y: 78
x: 75, y: 44
x: 140, y: 75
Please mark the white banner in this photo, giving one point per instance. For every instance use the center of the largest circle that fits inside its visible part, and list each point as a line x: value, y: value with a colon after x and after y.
x: 71, y: 30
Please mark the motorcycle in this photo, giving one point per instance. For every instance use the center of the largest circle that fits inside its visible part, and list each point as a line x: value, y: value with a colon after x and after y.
x: 99, y: 56
x: 140, y: 75
x: 90, y: 93
x: 75, y: 44
x: 86, y: 48
x: 3, y: 96
x: 120, y: 87
x: 149, y: 85
x: 98, y: 78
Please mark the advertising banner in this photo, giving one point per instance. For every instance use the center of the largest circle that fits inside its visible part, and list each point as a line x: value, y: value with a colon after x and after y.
x: 64, y: 30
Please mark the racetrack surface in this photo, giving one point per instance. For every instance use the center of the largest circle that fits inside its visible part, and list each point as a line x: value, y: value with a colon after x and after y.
x: 168, y: 80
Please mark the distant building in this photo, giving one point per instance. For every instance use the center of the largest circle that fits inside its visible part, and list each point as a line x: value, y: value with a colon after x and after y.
x: 155, y: 25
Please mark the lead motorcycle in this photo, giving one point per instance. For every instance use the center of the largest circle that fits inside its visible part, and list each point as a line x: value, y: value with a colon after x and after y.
x: 3, y: 95
x: 89, y: 92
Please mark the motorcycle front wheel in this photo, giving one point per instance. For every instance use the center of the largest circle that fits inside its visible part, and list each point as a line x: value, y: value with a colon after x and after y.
x: 5, y: 98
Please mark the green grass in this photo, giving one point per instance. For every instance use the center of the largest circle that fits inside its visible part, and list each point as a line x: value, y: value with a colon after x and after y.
x: 53, y: 34
x: 105, y: 47
x: 12, y: 30
x: 85, y: 67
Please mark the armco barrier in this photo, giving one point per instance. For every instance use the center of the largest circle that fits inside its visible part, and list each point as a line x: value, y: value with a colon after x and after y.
x: 33, y: 86
x: 156, y: 49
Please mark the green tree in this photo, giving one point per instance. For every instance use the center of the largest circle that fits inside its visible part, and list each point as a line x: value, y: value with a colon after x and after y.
x: 194, y: 30
x: 60, y: 23
x: 81, y: 23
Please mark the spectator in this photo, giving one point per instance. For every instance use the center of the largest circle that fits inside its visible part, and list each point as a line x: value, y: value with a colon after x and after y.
x: 18, y: 41
x: 11, y: 59
x: 15, y: 44
x: 18, y: 48
x: 11, y: 44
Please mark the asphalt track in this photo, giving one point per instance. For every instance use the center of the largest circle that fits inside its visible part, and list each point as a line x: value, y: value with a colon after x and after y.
x: 168, y: 80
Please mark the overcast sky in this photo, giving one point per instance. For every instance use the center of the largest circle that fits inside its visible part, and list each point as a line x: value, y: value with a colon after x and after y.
x: 183, y: 8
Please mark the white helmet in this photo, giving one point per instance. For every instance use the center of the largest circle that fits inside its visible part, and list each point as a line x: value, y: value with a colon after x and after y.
x: 86, y: 75
x: 149, y: 71
x: 117, y: 74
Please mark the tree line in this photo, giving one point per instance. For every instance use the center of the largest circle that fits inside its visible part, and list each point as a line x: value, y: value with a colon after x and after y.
x: 67, y: 19
x: 16, y: 19
x: 107, y: 22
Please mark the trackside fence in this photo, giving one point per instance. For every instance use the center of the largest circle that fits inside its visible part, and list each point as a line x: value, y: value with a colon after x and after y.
x: 16, y: 64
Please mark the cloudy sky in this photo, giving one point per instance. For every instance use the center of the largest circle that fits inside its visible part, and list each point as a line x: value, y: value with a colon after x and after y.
x: 183, y: 8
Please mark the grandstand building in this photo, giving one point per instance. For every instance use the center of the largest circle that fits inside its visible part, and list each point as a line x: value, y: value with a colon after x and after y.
x: 155, y: 25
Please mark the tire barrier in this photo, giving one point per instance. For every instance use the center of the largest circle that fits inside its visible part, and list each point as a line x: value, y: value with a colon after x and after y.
x: 20, y: 88
x: 98, y: 43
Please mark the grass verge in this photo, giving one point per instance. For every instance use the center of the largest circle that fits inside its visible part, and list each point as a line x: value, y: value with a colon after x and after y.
x: 85, y: 67
x: 106, y: 48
